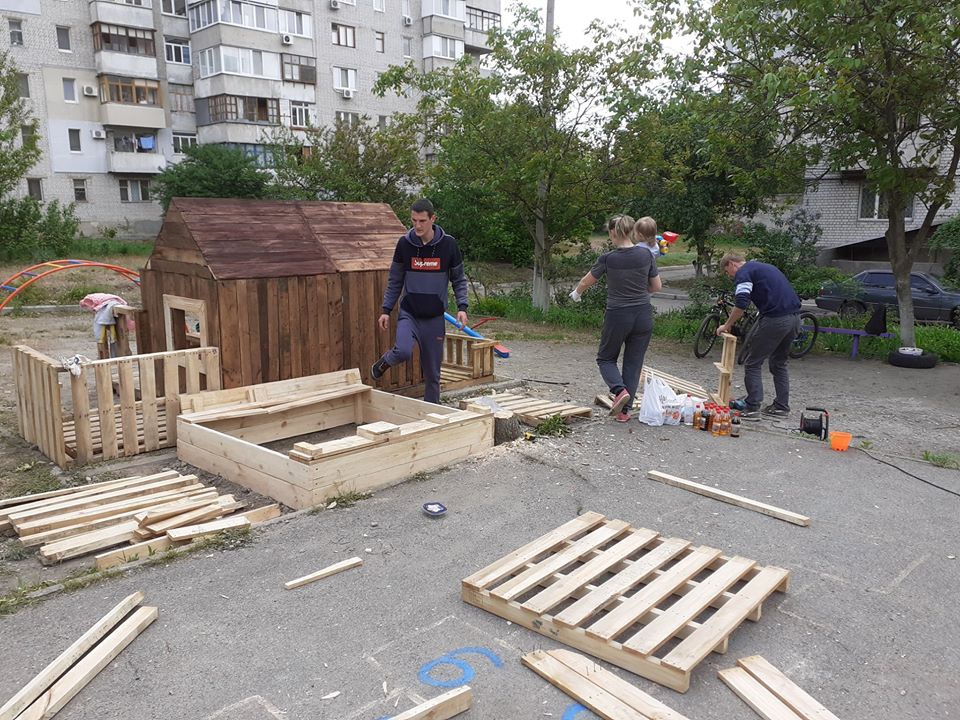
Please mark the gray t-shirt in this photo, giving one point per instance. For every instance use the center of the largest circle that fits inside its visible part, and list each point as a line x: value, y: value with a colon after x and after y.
x: 628, y: 272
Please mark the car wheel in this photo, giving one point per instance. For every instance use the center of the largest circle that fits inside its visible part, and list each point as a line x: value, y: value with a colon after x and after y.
x: 923, y: 361
x: 852, y: 308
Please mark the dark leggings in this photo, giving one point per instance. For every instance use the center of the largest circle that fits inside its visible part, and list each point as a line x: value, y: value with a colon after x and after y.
x: 628, y: 328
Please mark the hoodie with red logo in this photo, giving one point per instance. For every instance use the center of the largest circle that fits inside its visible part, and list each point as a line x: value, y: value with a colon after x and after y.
x: 419, y: 275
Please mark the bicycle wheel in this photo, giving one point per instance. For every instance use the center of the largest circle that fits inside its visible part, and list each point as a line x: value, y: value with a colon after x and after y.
x: 745, y: 339
x: 706, y: 335
x: 809, y: 329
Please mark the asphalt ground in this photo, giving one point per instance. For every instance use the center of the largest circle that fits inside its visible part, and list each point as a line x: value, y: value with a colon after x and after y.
x: 868, y: 626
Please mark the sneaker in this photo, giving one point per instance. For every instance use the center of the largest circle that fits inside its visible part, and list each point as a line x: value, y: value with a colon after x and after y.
x: 776, y: 411
x: 738, y: 404
x: 378, y: 369
x: 623, y: 417
x: 750, y: 413
x: 619, y: 401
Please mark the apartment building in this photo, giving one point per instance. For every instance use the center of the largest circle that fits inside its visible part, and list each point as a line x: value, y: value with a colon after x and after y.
x: 121, y: 87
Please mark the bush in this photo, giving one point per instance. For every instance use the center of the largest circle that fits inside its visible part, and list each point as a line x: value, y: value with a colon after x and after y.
x: 947, y: 237
x: 30, y: 232
x: 940, y: 339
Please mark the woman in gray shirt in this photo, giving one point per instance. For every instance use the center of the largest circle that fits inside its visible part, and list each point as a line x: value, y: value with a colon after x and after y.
x: 632, y: 275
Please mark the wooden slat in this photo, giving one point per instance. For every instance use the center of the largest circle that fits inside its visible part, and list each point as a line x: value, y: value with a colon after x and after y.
x: 531, y: 577
x: 88, y: 542
x: 723, y: 496
x: 46, y: 677
x: 171, y: 394
x: 189, y: 532
x: 132, y: 553
x: 210, y: 511
x: 687, y: 608
x: 75, y: 679
x: 652, y: 594
x: 148, y: 399
x: 795, y: 697
x: 724, y: 621
x: 441, y: 707
x: 326, y: 572
x: 80, y: 395
x: 621, y: 582
x: 105, y: 411
x: 520, y: 557
x: 128, y: 411
x: 754, y: 694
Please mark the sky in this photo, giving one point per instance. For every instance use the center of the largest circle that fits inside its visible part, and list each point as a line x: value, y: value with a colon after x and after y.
x: 573, y: 16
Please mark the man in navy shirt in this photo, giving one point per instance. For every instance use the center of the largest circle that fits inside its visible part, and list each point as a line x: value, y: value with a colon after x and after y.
x: 779, y: 323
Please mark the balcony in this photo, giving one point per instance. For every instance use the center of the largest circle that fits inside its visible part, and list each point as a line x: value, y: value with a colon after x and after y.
x: 145, y: 116
x: 136, y: 162
x: 117, y: 63
x: 120, y: 13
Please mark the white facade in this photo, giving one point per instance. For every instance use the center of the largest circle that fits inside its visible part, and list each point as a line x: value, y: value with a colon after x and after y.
x: 121, y: 86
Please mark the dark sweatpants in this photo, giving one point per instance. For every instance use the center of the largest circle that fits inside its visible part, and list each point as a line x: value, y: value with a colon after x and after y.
x: 429, y: 334
x: 628, y: 328
x: 773, y: 339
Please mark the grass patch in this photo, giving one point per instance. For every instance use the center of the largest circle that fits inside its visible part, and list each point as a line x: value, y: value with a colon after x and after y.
x: 13, y: 551
x: 944, y: 460
x: 553, y: 426
x: 91, y: 248
x: 30, y: 478
x: 939, y: 339
x: 347, y: 500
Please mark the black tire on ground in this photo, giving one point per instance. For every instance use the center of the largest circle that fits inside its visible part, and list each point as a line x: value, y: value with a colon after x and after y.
x: 918, y: 362
x: 706, y: 336
x: 804, y: 342
x: 852, y: 308
x: 745, y: 342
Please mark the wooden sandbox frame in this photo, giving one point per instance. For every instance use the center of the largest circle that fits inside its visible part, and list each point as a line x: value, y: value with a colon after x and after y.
x: 114, y: 407
x: 396, y: 437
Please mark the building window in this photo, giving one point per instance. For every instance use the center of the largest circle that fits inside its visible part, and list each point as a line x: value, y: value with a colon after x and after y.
x: 171, y: 7
x: 117, y: 38
x: 301, y: 114
x: 181, y: 98
x: 383, y: 121
x: 407, y: 46
x: 134, y: 190
x: 69, y: 90
x: 177, y: 51
x: 73, y: 135
x: 27, y: 133
x: 444, y: 47
x: 482, y: 20
x: 347, y: 119
x: 405, y: 8
x: 343, y: 35
x: 378, y: 5
x: 295, y: 23
x: 23, y: 84
x: 260, y: 153
x: 449, y: 8
x: 379, y: 41
x: 232, y: 12
x: 344, y: 78
x: 16, y: 32
x: 129, y: 91
x: 63, y: 38
x: 234, y: 60
x: 239, y: 108
x: 299, y: 68
x: 203, y: 15
x: 182, y: 141
x: 873, y: 206
x: 130, y: 141
x: 35, y: 188
x: 79, y: 190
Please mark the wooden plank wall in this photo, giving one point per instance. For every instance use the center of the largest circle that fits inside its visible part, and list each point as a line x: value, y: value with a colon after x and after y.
x: 39, y: 402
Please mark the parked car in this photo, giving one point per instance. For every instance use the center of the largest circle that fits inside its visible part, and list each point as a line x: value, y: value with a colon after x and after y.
x: 933, y: 300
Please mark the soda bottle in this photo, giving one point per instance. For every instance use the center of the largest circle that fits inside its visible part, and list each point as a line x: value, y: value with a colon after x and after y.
x: 697, y: 412
x: 735, y: 425
x: 725, y: 429
x: 716, y: 427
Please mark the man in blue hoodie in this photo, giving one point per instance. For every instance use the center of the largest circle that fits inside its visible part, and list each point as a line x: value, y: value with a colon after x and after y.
x: 425, y: 260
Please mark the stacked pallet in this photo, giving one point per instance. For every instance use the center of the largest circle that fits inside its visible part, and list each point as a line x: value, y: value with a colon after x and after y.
x: 156, y: 510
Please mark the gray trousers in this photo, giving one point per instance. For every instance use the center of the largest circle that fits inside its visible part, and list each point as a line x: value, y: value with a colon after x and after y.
x: 627, y: 328
x: 429, y: 334
x: 772, y: 340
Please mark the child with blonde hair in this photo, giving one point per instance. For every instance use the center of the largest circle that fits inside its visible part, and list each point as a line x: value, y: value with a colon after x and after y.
x: 645, y: 233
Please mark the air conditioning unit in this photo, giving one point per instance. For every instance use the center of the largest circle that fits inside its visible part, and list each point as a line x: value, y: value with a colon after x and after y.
x: 334, y: 4
x: 347, y: 93
x: 286, y: 39
x: 407, y: 20
x: 99, y: 134
x: 89, y: 91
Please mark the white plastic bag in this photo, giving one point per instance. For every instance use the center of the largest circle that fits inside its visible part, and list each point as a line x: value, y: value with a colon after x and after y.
x: 659, y: 401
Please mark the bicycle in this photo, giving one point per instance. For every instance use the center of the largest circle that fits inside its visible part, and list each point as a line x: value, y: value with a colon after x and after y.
x: 745, y: 328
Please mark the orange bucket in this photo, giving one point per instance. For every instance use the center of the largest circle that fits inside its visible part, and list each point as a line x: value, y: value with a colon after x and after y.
x: 840, y: 440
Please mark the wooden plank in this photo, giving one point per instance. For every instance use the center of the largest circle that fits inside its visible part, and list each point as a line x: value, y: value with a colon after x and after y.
x: 46, y: 677
x: 132, y: 553
x: 148, y: 400
x: 515, y: 560
x: 128, y: 410
x: 326, y: 572
x: 308, y: 452
x: 754, y: 694
x: 724, y: 621
x: 687, y: 608
x: 378, y: 430
x: 190, y: 532
x: 80, y: 395
x: 210, y: 511
x: 791, y: 694
x: 723, y: 496
x: 75, y: 679
x: 88, y: 542
x: 105, y: 411
x: 261, y: 514
x: 441, y: 707
x: 171, y: 394
x: 169, y: 510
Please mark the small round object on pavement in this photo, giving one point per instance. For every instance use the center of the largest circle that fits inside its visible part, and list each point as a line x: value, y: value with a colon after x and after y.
x: 434, y: 509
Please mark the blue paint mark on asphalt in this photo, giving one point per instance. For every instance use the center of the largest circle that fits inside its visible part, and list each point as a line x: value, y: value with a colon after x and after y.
x: 574, y: 711
x: 467, y: 673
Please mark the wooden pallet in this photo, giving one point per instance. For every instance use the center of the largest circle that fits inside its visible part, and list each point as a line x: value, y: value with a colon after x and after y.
x: 652, y: 605
x: 771, y: 694
x: 533, y: 411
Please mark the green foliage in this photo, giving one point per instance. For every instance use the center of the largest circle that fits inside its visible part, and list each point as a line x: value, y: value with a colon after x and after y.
x: 106, y: 247
x: 553, y: 426
x: 212, y: 171
x: 19, y: 150
x: 355, y: 162
x: 947, y: 237
x: 939, y: 339
x: 31, y: 231
x: 944, y: 460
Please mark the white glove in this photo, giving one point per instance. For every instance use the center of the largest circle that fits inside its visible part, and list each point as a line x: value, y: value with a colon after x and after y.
x: 574, y: 295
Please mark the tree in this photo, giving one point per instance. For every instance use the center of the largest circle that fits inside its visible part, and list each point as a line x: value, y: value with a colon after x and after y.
x: 529, y: 128
x: 350, y: 162
x: 873, y: 86
x: 213, y: 171
x: 19, y: 145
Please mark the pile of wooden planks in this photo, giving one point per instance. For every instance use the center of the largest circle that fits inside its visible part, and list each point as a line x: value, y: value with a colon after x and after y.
x: 531, y: 410
x: 61, y: 680
x: 167, y: 507
x: 770, y: 693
